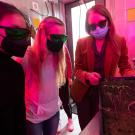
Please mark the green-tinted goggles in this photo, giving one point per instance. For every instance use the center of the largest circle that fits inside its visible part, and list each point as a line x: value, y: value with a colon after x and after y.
x: 58, y: 37
x: 16, y: 33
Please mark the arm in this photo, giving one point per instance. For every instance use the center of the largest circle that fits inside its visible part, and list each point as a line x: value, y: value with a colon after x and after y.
x: 68, y: 66
x: 80, y: 70
x: 24, y: 61
x: 20, y: 108
x: 81, y: 65
x: 123, y: 64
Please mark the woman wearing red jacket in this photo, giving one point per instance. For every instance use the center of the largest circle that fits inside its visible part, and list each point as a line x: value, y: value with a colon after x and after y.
x: 97, y: 57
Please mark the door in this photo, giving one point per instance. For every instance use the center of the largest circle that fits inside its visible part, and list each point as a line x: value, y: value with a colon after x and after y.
x: 75, y: 13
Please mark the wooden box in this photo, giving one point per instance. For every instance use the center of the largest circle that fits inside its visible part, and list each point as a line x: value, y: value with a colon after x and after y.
x: 118, y: 106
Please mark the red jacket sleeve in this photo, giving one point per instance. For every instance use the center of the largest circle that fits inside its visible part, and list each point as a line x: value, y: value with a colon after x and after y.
x: 68, y: 64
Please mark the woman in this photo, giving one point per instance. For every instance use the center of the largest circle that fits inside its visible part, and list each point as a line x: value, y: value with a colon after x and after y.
x: 44, y: 65
x: 64, y: 93
x: 97, y: 57
x: 14, y: 40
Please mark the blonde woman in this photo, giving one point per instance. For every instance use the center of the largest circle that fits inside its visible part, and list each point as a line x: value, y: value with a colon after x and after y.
x: 44, y: 65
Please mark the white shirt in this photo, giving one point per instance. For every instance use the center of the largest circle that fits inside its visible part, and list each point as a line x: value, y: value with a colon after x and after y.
x: 42, y: 104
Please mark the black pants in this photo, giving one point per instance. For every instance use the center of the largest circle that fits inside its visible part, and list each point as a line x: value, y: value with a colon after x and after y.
x: 64, y: 96
x: 88, y: 107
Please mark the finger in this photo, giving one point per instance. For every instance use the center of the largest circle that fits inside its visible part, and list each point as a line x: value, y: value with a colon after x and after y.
x: 97, y: 75
x: 95, y: 81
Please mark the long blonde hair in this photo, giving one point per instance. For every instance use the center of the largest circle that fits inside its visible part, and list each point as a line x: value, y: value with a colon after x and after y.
x: 39, y: 51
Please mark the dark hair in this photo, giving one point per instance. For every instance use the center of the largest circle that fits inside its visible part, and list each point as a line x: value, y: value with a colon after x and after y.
x: 100, y: 9
x: 7, y: 9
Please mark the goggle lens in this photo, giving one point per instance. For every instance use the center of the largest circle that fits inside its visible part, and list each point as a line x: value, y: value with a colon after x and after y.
x: 101, y: 24
x: 16, y: 33
x: 58, y: 37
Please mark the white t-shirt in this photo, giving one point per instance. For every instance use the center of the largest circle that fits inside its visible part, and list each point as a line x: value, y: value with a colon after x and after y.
x: 42, y: 104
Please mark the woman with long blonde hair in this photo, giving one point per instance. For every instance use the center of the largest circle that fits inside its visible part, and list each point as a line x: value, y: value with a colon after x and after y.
x: 44, y: 65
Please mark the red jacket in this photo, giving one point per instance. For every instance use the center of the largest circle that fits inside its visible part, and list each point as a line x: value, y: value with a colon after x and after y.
x: 116, y: 55
x: 68, y: 64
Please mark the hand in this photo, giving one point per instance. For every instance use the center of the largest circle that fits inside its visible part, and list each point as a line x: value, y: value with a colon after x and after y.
x: 93, y: 78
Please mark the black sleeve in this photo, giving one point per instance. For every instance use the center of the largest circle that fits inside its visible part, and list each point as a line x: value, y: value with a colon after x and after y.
x: 21, y: 112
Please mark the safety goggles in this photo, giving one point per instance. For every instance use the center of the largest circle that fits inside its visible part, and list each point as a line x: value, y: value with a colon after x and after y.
x: 58, y: 37
x: 101, y: 24
x: 16, y: 33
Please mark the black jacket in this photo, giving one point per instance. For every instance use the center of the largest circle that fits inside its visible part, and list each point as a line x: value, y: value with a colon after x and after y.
x: 12, y: 106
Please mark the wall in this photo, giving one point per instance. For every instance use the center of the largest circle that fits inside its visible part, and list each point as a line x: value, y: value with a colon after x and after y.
x: 27, y: 7
x: 130, y: 34
x: 119, y: 11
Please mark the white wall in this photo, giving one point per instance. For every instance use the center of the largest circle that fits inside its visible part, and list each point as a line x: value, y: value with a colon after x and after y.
x: 27, y: 5
x: 119, y: 11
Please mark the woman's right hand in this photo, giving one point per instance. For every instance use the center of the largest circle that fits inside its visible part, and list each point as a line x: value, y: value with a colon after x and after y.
x: 93, y: 78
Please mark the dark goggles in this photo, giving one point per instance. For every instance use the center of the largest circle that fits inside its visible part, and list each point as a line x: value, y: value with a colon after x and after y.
x: 58, y: 37
x: 101, y: 24
x: 16, y: 33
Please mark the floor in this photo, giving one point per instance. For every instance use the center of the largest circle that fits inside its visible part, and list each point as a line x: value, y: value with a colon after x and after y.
x: 63, y: 123
x: 93, y: 127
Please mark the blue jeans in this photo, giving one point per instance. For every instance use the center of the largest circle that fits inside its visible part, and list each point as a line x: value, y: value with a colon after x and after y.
x: 47, y: 127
